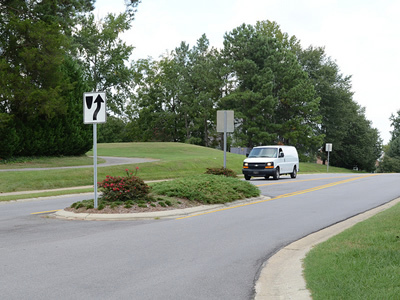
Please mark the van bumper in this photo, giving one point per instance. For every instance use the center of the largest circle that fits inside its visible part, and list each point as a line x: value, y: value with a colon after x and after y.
x: 258, y: 172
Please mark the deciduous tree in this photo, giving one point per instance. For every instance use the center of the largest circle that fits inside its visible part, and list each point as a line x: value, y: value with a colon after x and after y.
x: 355, y: 142
x: 104, y: 57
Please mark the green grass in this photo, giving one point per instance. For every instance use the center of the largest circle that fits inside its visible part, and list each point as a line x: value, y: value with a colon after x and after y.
x: 176, y: 160
x: 363, y: 262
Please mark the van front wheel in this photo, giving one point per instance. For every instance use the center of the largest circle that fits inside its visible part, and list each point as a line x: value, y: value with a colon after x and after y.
x: 247, y: 177
x: 277, y: 174
x: 294, y: 174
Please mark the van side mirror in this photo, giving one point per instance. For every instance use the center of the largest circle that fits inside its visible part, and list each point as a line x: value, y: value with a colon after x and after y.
x: 247, y: 154
x: 281, y: 154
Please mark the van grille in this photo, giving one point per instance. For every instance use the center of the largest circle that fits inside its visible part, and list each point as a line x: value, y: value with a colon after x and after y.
x: 256, y: 165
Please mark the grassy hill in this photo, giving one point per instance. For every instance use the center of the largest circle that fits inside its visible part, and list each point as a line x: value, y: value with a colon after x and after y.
x: 175, y: 160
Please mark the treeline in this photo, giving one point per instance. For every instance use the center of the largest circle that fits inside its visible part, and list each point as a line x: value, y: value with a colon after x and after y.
x: 280, y: 93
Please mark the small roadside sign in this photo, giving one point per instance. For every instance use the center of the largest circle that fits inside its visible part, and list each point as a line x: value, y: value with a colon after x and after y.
x: 225, y: 121
x: 328, y: 148
x: 225, y: 124
x: 94, y: 108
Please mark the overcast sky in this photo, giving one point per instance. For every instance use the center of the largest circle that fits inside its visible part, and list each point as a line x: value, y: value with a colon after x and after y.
x: 362, y: 36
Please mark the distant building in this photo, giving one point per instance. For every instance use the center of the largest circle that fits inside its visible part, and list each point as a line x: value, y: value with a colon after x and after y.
x: 240, y: 150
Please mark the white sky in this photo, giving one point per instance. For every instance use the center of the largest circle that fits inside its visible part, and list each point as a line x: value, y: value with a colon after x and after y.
x: 362, y: 36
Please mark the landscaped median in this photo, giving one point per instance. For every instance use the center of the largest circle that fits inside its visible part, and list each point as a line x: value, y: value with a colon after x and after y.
x: 129, y: 197
x: 155, y: 215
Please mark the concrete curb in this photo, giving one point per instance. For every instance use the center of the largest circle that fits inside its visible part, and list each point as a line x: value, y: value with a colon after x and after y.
x: 282, y: 274
x: 166, y: 214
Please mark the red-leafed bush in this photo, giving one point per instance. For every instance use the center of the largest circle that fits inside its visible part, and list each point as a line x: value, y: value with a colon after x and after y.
x: 125, y: 188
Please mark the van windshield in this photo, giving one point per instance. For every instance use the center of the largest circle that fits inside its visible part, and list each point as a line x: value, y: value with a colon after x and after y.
x: 264, y: 152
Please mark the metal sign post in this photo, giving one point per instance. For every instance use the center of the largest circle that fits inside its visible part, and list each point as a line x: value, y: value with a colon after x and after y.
x: 93, y: 115
x: 225, y: 127
x: 95, y: 164
x: 225, y: 124
x: 328, y: 148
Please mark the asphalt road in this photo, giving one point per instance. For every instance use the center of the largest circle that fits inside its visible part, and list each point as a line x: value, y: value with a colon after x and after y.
x: 212, y: 256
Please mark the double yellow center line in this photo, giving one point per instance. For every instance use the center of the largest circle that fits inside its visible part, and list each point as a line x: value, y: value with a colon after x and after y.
x: 317, y: 188
x: 286, y: 195
x: 45, y: 212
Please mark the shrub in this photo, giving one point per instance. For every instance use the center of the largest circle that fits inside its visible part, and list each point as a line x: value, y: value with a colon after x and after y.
x: 123, y: 188
x: 221, y: 171
x: 87, y: 204
x: 208, y: 189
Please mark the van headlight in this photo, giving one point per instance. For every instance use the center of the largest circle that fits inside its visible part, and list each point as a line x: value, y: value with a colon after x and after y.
x: 269, y: 165
x: 245, y: 165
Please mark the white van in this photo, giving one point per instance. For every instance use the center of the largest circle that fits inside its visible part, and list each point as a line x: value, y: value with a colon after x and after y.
x: 266, y: 161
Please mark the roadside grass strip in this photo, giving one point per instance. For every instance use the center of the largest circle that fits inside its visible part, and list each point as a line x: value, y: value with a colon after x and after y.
x: 281, y: 196
x: 362, y: 262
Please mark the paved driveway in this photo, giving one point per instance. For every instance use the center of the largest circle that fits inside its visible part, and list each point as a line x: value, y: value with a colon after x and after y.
x: 110, y: 161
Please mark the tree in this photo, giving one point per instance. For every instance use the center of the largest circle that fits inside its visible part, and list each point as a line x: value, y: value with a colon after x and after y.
x: 270, y: 93
x: 202, y: 91
x: 150, y: 117
x: 391, y: 157
x: 344, y: 123
x: 395, y: 123
x: 104, y: 57
x: 35, y: 85
x: 176, y: 97
x: 113, y: 131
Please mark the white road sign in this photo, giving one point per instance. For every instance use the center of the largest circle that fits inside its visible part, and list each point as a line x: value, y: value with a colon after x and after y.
x: 94, y: 108
x: 328, y: 147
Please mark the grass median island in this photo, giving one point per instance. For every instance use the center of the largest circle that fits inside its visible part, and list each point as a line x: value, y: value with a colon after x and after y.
x: 363, y: 262
x: 178, y: 193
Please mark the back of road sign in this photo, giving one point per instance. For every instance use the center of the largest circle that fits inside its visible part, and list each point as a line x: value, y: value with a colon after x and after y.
x: 94, y: 108
x: 225, y: 118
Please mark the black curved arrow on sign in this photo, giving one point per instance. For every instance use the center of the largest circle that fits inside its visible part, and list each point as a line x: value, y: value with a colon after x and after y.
x: 98, y: 100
